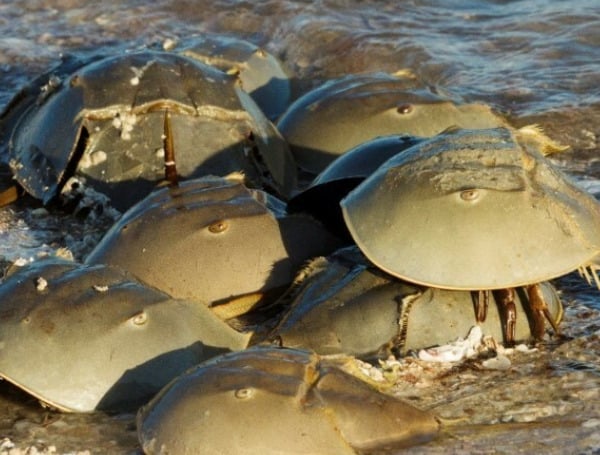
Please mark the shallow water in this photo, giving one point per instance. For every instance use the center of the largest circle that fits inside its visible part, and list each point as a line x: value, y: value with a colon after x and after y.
x: 533, y: 60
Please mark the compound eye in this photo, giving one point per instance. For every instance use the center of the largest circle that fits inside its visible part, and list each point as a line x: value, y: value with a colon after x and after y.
x: 404, y: 109
x: 139, y: 319
x: 218, y: 227
x: 244, y: 394
x: 469, y: 195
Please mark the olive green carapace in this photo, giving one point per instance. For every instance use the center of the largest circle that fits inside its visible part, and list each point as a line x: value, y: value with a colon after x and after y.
x: 84, y: 338
x: 364, y: 159
x: 322, y: 198
x: 345, y: 112
x: 345, y: 305
x: 104, y: 122
x: 473, y: 209
x: 211, y: 240
x: 262, y: 75
x: 269, y: 400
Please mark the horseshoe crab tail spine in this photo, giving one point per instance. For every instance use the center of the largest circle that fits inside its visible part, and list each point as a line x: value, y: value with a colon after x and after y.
x: 170, y: 168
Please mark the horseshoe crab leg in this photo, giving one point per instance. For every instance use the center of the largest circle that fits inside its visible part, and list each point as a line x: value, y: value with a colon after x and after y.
x: 539, y: 311
x: 505, y: 299
x: 481, y: 300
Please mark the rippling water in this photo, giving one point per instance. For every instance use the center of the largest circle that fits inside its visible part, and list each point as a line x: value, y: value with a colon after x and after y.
x: 533, y: 60
x: 526, y: 57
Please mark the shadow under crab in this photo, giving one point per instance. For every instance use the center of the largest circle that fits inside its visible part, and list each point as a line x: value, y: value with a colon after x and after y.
x: 322, y: 197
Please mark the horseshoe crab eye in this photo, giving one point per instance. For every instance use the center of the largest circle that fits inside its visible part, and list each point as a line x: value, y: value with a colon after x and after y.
x: 218, y: 227
x: 140, y: 318
x: 469, y: 195
x: 244, y: 394
x: 404, y: 109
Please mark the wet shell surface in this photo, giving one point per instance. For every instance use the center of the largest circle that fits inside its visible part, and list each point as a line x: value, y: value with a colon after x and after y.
x: 322, y: 198
x: 262, y: 75
x: 213, y: 241
x: 344, y: 304
x: 348, y: 111
x: 84, y: 338
x: 104, y: 121
x: 272, y: 401
x: 473, y: 210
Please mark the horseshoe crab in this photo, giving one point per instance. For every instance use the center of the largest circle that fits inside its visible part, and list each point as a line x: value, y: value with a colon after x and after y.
x: 262, y: 75
x: 214, y: 241
x: 104, y: 121
x: 273, y: 401
x: 322, y: 198
x: 344, y: 304
x: 322, y: 124
x: 475, y: 210
x: 84, y: 338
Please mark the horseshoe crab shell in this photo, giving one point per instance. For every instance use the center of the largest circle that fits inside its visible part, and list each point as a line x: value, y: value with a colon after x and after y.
x: 213, y: 240
x: 345, y: 112
x: 273, y: 401
x: 84, y: 338
x: 262, y: 74
x: 345, y: 305
x: 473, y: 210
x: 104, y: 122
x: 322, y: 198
